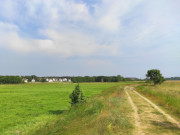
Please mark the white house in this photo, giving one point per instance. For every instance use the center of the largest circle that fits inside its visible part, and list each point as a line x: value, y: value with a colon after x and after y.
x: 64, y: 79
x: 33, y: 80
x: 50, y: 80
x: 25, y: 80
x: 60, y: 80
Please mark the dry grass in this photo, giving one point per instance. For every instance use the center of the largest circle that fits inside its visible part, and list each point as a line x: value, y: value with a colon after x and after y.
x: 166, y: 95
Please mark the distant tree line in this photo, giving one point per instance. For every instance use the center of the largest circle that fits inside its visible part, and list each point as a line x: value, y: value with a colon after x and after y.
x: 74, y: 79
x: 118, y: 78
x: 173, y: 78
x: 19, y: 79
x: 10, y: 79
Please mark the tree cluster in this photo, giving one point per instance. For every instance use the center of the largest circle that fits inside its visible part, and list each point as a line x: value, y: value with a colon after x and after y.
x: 97, y: 79
x: 10, y: 80
x: 173, y: 78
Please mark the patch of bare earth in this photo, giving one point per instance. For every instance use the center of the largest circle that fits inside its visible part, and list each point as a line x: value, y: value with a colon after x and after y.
x: 149, y: 118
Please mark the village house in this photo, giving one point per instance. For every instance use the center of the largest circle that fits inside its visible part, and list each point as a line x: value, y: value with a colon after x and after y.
x: 64, y: 79
x: 50, y: 79
x: 25, y: 80
x: 58, y: 79
x: 69, y: 80
x: 33, y: 80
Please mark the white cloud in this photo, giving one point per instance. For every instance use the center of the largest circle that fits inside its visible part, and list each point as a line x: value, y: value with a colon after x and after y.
x: 65, y: 44
x: 71, y: 29
x: 138, y: 29
x: 109, y: 13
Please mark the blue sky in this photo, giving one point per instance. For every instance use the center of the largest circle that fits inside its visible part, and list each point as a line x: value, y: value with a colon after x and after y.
x: 89, y: 37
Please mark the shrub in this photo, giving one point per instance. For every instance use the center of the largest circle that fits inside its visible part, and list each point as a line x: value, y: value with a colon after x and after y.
x: 77, y: 96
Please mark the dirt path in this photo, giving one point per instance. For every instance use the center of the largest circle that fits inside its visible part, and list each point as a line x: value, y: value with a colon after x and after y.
x: 136, y: 116
x: 149, y: 118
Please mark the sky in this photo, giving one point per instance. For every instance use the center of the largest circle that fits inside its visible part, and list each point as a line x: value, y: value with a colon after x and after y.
x: 89, y: 37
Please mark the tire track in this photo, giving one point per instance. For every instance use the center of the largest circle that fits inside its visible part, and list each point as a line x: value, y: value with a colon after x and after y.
x: 149, y: 118
x: 136, y: 116
x: 172, y: 120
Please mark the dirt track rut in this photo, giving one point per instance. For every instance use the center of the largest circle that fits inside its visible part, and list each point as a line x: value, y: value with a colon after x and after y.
x: 149, y: 118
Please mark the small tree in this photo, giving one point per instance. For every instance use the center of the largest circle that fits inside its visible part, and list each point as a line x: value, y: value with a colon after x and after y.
x: 155, y: 76
x: 77, y: 96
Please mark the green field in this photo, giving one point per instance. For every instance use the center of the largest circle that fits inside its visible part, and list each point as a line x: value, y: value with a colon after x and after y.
x: 44, y: 108
x: 166, y: 95
x: 108, y: 113
x: 26, y: 106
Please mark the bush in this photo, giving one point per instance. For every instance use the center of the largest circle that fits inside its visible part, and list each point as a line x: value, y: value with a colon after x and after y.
x: 77, y: 96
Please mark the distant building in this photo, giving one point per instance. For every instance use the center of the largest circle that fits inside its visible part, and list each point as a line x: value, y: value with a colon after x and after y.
x: 58, y: 79
x: 64, y: 79
x: 50, y: 80
x: 25, y: 80
x: 33, y: 80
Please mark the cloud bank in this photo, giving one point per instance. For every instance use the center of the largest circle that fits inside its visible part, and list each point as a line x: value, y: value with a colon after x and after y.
x: 78, y: 28
x: 103, y: 31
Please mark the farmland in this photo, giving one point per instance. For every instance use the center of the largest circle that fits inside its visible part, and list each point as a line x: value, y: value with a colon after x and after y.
x: 26, y: 106
x: 110, y: 108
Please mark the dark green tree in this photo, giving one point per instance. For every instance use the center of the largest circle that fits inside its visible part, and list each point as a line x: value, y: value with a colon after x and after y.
x: 43, y: 80
x: 77, y: 96
x: 10, y: 80
x: 155, y: 76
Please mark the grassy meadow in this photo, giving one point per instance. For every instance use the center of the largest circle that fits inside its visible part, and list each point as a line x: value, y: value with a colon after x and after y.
x: 166, y: 95
x: 108, y: 113
x: 44, y: 109
x: 24, y: 107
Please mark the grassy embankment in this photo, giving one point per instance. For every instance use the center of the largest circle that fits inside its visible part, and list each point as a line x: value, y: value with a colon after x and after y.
x: 108, y: 113
x: 166, y: 95
x: 27, y: 106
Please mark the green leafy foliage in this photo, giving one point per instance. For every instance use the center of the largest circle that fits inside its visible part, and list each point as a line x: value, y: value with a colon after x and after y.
x: 155, y: 76
x: 77, y: 96
x: 10, y: 80
x: 43, y: 80
x: 97, y: 79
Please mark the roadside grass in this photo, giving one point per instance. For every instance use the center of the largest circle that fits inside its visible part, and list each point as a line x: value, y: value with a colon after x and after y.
x: 151, y: 120
x: 24, y: 107
x: 166, y: 95
x: 108, y: 113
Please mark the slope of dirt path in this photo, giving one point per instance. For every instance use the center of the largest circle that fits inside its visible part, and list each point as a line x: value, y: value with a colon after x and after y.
x: 152, y: 120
